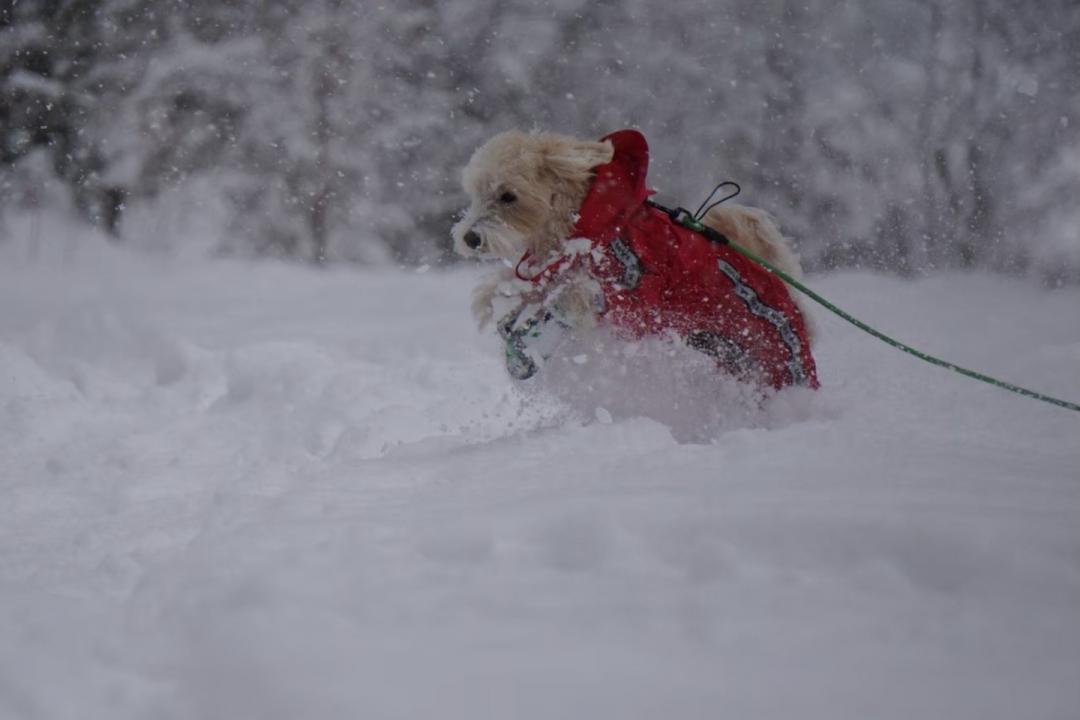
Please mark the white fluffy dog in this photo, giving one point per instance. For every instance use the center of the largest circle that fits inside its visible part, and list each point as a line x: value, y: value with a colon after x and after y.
x: 525, y: 190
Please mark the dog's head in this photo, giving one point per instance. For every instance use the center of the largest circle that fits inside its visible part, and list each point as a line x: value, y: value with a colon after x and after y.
x: 524, y: 189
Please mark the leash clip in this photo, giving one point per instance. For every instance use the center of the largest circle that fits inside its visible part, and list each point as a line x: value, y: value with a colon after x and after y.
x: 682, y: 216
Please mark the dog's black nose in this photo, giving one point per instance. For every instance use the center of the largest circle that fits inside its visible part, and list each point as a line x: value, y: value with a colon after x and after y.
x: 472, y: 240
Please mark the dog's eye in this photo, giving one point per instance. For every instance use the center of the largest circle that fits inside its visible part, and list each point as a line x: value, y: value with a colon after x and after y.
x: 508, y: 198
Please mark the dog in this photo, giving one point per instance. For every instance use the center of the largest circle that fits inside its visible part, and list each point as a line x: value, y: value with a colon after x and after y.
x: 528, y: 194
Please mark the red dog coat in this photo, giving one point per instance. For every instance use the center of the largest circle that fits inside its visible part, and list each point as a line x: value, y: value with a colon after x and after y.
x: 659, y: 276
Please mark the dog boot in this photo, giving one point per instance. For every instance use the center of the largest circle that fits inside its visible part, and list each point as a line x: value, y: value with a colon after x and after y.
x: 532, y: 333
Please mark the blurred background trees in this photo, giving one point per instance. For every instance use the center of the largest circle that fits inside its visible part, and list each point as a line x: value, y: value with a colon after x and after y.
x: 899, y: 136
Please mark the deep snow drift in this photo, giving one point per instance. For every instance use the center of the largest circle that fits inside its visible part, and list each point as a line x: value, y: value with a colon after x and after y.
x: 236, y: 492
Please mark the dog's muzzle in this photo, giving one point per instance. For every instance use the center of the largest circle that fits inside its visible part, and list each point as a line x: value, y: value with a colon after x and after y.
x: 472, y: 240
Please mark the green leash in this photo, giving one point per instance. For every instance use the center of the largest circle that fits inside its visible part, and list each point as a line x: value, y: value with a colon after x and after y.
x: 685, y: 219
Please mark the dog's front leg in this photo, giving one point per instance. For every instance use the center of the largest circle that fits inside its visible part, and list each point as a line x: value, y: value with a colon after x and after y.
x: 578, y: 302
x: 496, y: 294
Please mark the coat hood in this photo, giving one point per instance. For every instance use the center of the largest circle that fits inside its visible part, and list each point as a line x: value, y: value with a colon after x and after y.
x: 618, y: 188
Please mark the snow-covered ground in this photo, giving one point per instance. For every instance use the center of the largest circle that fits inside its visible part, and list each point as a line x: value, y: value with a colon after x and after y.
x: 267, y: 492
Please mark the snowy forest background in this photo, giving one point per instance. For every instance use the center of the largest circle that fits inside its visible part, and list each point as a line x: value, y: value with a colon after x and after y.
x: 903, y: 136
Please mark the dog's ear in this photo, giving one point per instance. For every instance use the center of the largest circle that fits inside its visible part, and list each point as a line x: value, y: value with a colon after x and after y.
x: 572, y: 159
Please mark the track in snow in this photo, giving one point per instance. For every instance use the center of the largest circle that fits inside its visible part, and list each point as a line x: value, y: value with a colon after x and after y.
x: 229, y: 491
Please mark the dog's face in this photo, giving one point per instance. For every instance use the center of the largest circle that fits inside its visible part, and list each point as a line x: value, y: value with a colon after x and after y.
x: 524, y: 190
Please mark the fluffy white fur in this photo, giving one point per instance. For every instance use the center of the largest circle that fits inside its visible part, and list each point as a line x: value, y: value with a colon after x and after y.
x: 525, y: 190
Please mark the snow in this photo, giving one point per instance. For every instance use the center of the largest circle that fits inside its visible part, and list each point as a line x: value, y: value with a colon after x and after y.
x: 267, y: 492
